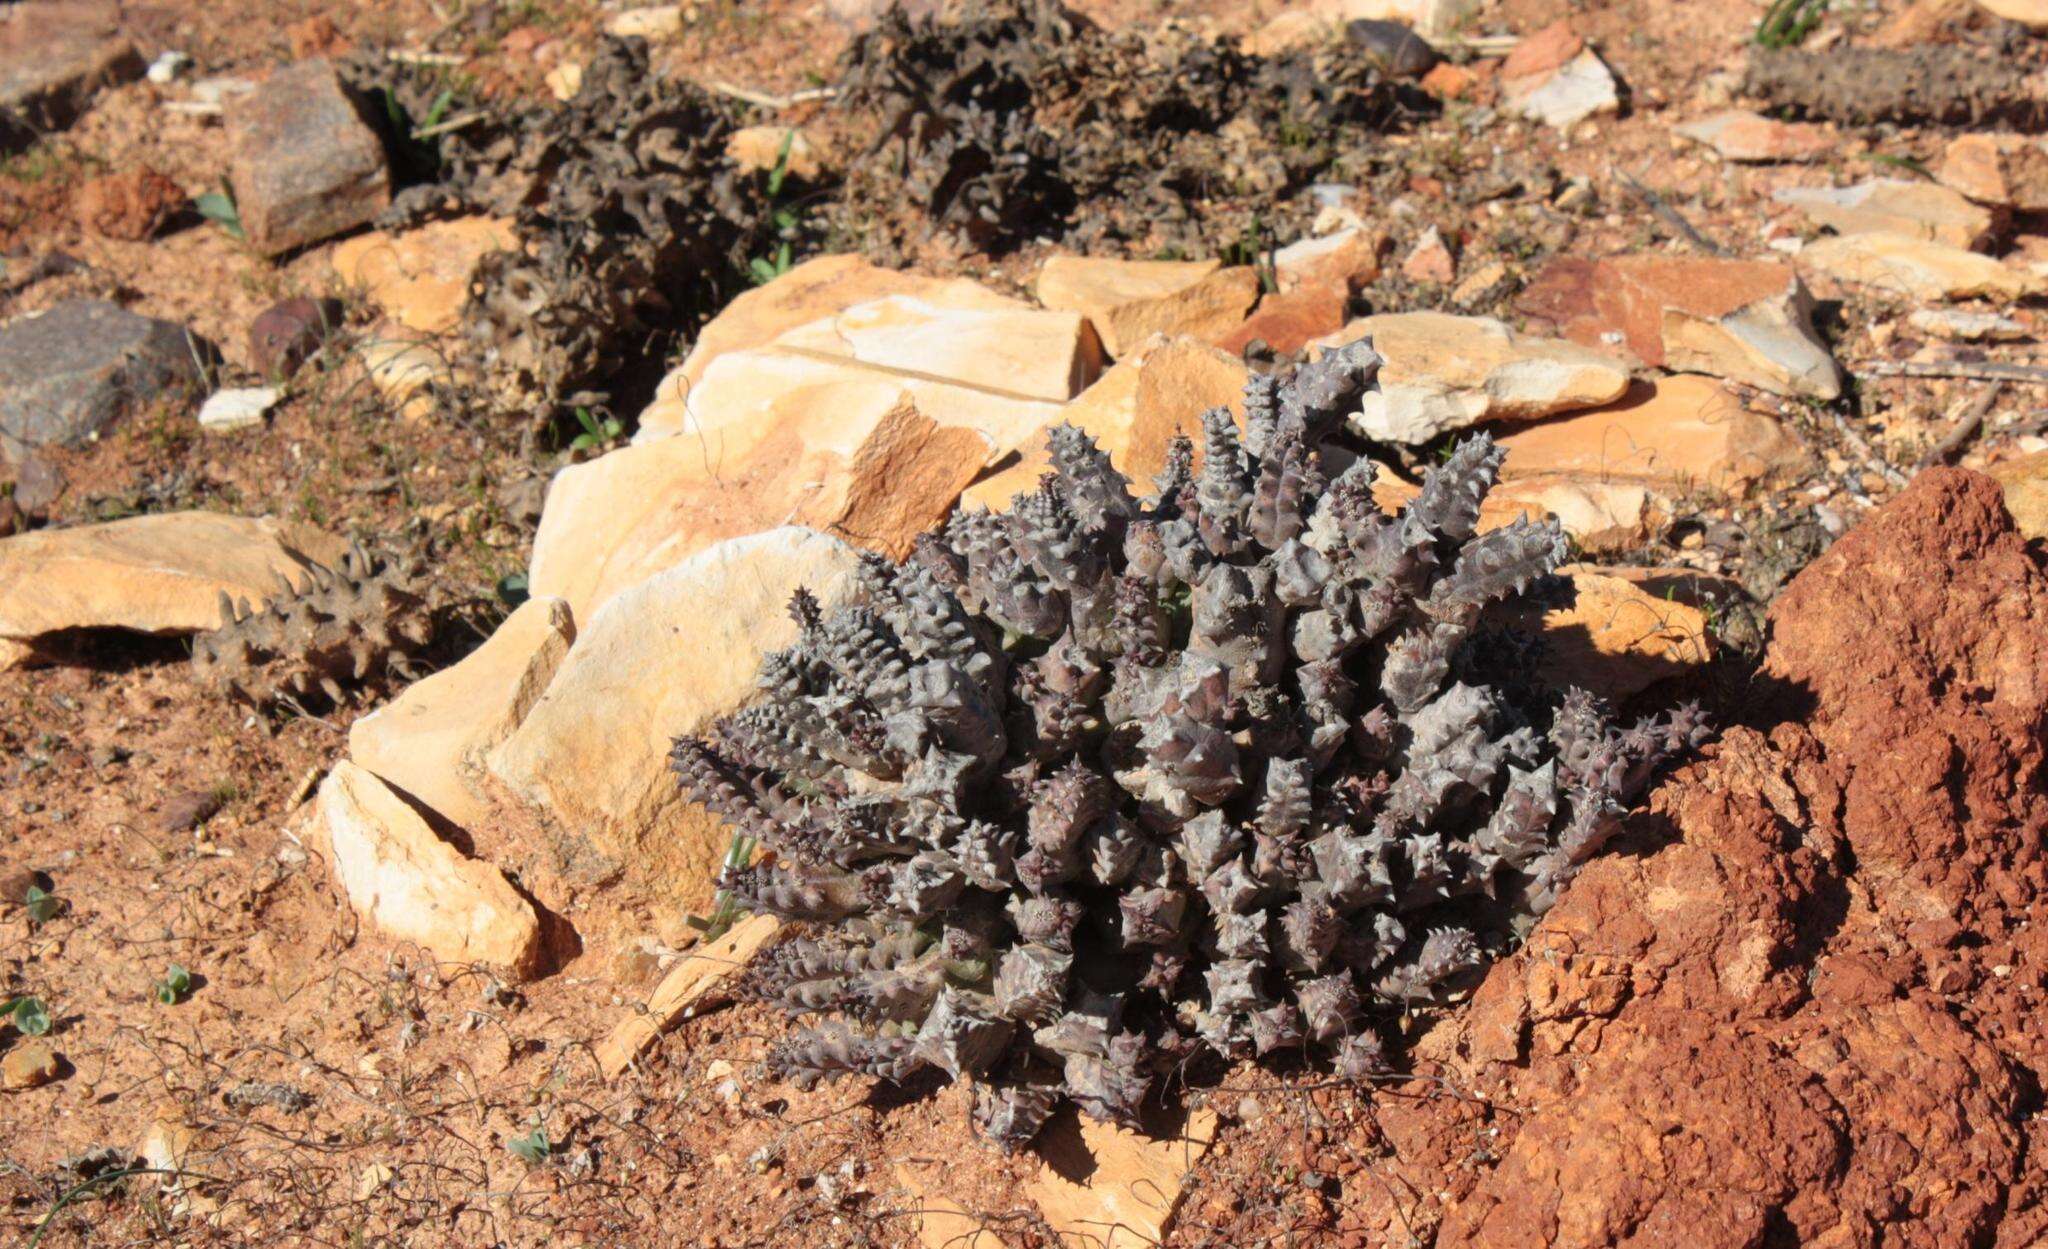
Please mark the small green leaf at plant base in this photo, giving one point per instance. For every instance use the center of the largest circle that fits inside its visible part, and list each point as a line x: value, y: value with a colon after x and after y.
x: 219, y: 208
x: 513, y: 590
x: 177, y: 982
x: 41, y: 904
x: 597, y: 432
x: 533, y: 1148
x: 31, y: 1017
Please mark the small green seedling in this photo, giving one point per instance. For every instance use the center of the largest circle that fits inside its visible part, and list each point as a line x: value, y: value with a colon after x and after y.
x: 725, y: 909
x: 597, y: 431
x: 42, y: 905
x: 1787, y: 23
x: 30, y: 1016
x: 175, y: 986
x: 219, y: 208
x: 534, y: 1148
x: 760, y: 268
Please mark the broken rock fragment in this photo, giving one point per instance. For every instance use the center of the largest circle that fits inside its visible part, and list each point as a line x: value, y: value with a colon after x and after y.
x: 1748, y: 321
x: 1910, y: 267
x: 2025, y: 482
x: 152, y: 574
x: 1445, y: 373
x: 1614, y: 638
x: 666, y: 656
x: 1999, y: 169
x: 834, y: 448
x: 817, y: 289
x: 1673, y: 435
x: 420, y: 278
x: 131, y: 206
x: 1741, y: 135
x: 1921, y: 210
x: 1347, y: 259
x: 305, y: 164
x: 1554, y: 78
x: 997, y: 372
x: 288, y: 333
x: 54, y: 58
x: 429, y: 741
x: 1130, y: 300
x: 405, y: 881
x: 1156, y: 392
x: 241, y: 407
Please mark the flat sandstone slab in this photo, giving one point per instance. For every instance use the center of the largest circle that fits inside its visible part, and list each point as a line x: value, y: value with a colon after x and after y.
x: 152, y: 574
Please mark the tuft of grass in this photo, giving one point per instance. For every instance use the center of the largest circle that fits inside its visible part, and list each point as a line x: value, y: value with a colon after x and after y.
x: 762, y: 269
x: 725, y: 909
x: 1787, y: 23
x: 1254, y: 248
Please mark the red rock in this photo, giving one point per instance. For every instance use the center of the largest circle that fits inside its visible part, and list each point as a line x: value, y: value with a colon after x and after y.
x: 1745, y: 320
x: 1546, y: 50
x: 1288, y: 321
x: 1431, y: 261
x: 1725, y: 1040
x: 132, y: 205
x: 1450, y: 82
x: 317, y: 36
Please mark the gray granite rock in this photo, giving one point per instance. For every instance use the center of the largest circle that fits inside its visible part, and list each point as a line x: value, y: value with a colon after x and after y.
x: 74, y: 370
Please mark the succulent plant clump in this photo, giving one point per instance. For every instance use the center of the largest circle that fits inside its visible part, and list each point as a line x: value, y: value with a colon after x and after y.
x: 352, y: 623
x: 1085, y: 788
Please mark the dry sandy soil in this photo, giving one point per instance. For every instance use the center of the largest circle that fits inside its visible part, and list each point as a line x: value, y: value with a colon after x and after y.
x: 1809, y: 990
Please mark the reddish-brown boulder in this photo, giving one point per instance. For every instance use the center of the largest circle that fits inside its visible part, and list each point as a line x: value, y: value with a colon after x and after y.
x: 1803, y: 1014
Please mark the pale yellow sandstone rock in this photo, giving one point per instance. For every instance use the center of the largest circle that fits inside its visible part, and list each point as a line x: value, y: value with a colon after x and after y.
x: 1674, y: 435
x: 429, y: 741
x: 151, y: 574
x: 1130, y: 300
x: 1915, y: 268
x: 408, y: 883
x: 1445, y: 373
x: 852, y: 456
x: 665, y: 657
x: 420, y: 278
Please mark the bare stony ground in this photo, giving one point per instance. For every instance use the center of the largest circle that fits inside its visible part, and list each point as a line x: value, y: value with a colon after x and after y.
x: 414, y: 416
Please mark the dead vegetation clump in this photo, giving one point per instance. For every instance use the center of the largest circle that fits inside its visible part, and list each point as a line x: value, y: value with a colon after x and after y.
x: 634, y: 224
x: 1021, y: 119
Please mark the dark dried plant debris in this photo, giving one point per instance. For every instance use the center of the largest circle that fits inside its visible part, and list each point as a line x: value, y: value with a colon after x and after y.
x: 633, y: 222
x: 1931, y: 85
x: 343, y: 628
x: 1095, y: 786
x: 1022, y: 119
